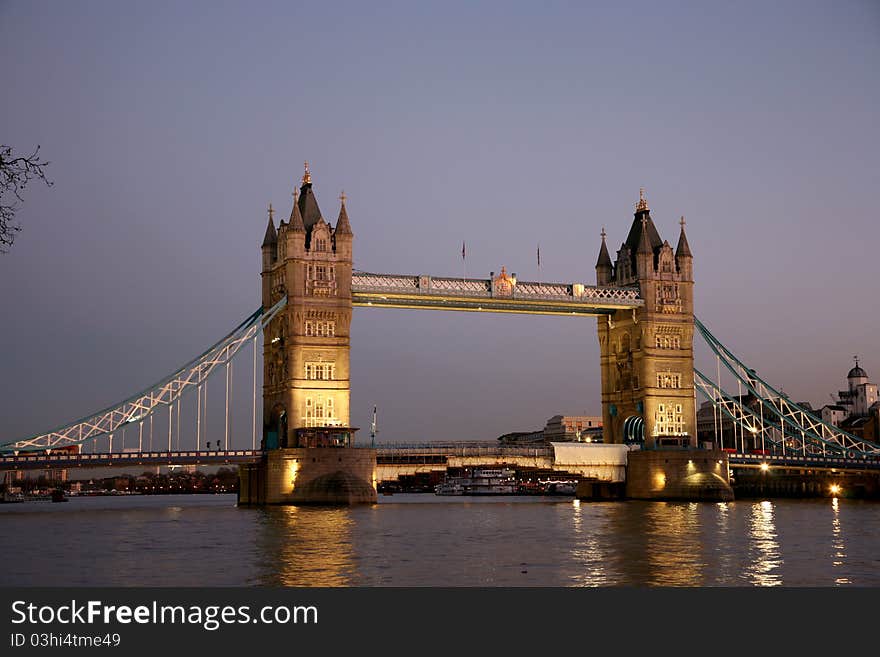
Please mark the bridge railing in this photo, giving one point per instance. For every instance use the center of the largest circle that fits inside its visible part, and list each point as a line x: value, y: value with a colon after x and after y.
x: 477, y: 288
x: 860, y: 462
x: 64, y: 460
x: 461, y: 449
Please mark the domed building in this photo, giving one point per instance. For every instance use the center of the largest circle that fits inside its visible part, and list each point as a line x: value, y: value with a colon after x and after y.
x: 857, y: 409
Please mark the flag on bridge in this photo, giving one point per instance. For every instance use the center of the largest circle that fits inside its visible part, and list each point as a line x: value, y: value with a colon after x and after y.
x: 539, y: 256
x: 462, y: 250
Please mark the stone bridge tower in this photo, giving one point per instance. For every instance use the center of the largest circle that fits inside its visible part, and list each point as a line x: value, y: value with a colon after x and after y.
x: 306, y: 380
x: 306, y: 386
x: 647, y: 354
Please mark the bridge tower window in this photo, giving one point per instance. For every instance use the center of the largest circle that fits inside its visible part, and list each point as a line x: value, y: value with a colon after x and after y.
x: 320, y: 329
x: 668, y: 342
x: 668, y: 380
x: 668, y: 420
x: 318, y: 371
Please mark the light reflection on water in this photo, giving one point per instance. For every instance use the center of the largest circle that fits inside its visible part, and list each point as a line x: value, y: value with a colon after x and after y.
x: 423, y: 540
x: 588, y: 551
x: 673, y: 550
x: 306, y: 546
x: 837, y: 543
x: 721, y: 546
x: 764, y: 554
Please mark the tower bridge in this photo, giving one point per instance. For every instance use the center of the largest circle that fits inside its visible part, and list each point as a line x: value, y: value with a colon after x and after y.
x: 304, y: 448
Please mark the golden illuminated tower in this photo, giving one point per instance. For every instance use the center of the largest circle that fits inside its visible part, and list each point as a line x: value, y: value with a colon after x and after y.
x: 647, y: 354
x: 306, y: 383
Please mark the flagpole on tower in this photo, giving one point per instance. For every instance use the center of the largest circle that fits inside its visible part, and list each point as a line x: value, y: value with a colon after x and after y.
x: 463, y: 262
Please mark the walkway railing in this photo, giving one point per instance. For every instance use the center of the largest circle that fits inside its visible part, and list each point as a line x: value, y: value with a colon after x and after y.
x: 461, y: 449
x: 70, y: 460
x: 863, y: 462
x: 512, y: 290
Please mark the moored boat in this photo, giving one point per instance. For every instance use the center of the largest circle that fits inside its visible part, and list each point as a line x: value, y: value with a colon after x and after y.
x: 449, y: 487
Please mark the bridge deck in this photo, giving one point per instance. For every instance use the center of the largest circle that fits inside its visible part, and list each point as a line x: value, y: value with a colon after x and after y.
x: 501, y: 295
x: 857, y: 464
x: 39, y: 460
x: 395, y: 455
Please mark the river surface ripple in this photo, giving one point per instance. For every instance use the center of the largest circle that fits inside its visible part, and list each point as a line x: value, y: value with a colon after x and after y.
x: 425, y: 540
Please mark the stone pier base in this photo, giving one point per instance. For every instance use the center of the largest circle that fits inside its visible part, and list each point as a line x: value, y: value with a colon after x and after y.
x: 595, y: 490
x: 678, y: 474
x: 310, y: 475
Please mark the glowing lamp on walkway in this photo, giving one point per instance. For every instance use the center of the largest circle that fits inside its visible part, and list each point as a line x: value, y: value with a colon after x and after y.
x: 764, y: 467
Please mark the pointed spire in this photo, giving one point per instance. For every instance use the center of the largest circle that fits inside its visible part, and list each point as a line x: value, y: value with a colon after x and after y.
x: 644, y: 242
x: 271, y: 237
x: 343, y: 227
x: 296, y: 220
x: 308, y: 205
x: 604, y: 259
x: 683, y: 249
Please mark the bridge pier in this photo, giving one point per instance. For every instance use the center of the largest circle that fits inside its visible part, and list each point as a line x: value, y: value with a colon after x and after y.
x: 310, y: 475
x: 678, y: 474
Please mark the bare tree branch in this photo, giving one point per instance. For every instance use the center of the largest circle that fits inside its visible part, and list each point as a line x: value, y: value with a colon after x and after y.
x: 15, y: 174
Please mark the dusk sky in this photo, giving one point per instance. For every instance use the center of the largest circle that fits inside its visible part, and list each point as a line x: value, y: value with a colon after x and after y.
x: 171, y: 126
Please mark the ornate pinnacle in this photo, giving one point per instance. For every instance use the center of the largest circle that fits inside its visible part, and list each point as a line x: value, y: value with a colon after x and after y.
x: 683, y: 248
x: 342, y: 196
x: 603, y: 233
x: 643, y: 202
x: 307, y: 176
x: 271, y: 212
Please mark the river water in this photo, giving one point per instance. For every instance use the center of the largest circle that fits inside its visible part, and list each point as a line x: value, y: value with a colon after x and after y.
x: 425, y: 540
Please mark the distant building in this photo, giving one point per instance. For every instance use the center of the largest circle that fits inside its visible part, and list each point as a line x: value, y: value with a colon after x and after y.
x: 523, y: 438
x: 51, y: 475
x: 559, y: 428
x: 834, y: 414
x: 573, y: 428
x: 857, y: 409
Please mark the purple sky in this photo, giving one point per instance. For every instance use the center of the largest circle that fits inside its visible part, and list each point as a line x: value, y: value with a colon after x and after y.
x: 171, y: 126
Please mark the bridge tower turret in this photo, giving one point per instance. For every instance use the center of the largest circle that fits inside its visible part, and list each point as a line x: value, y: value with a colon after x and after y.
x: 306, y: 382
x: 306, y: 385
x: 604, y: 268
x: 269, y: 252
x: 647, y: 353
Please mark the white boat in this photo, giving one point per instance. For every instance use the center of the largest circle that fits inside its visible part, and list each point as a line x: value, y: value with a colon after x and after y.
x: 9, y: 498
x: 449, y: 488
